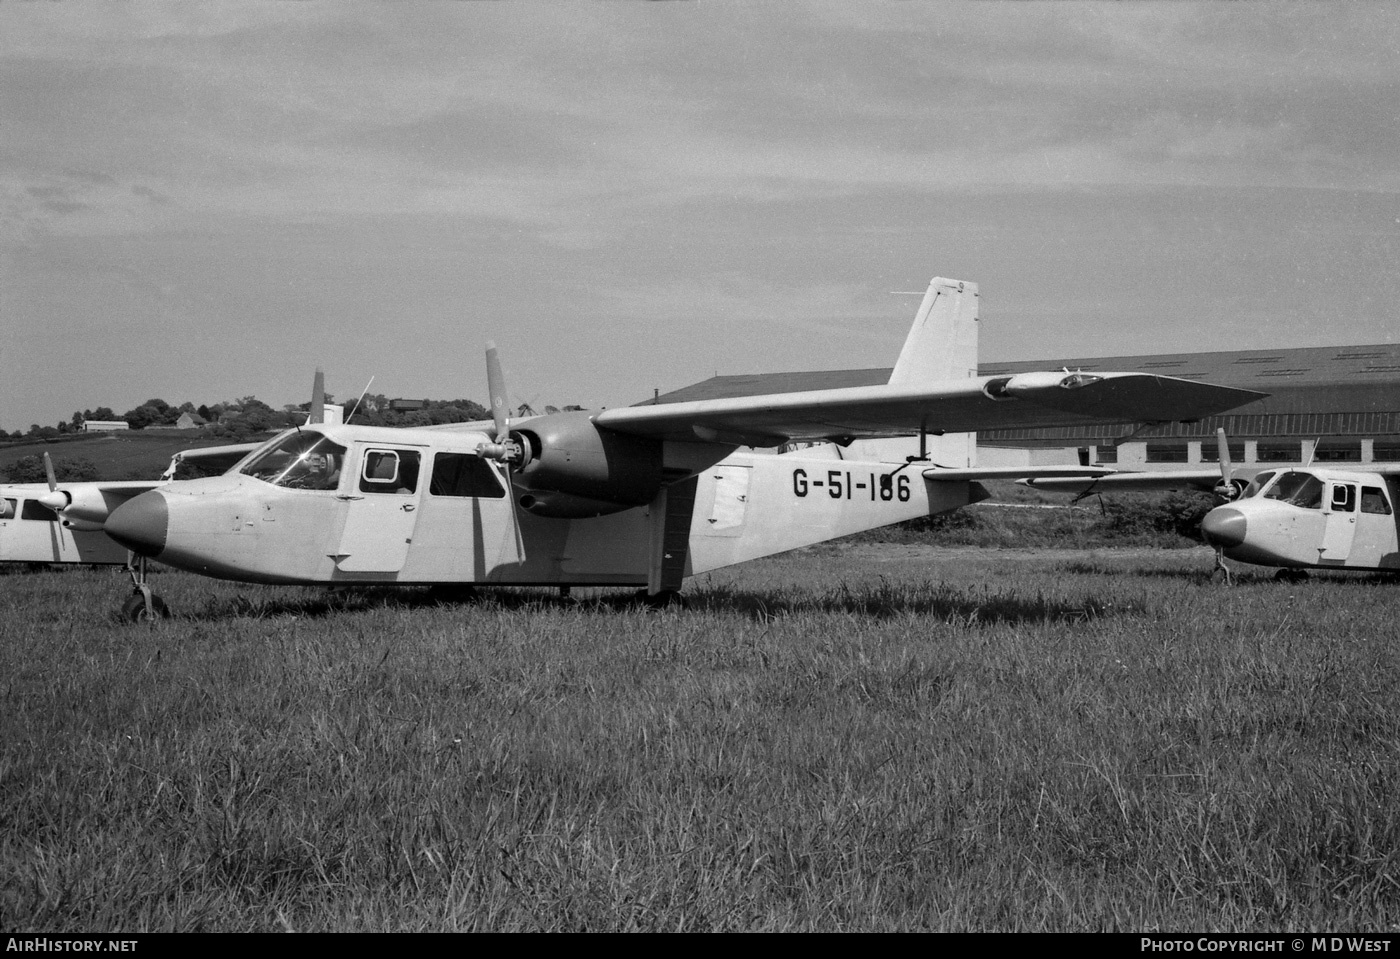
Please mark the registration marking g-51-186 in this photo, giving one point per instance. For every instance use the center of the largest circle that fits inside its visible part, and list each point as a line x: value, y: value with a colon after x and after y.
x: 840, y: 484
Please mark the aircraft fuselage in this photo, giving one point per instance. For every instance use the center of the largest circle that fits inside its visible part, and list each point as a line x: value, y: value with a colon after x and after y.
x: 419, y: 507
x: 1311, y: 518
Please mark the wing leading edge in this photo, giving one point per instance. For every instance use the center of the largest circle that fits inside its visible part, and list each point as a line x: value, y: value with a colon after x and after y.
x: 1026, y: 400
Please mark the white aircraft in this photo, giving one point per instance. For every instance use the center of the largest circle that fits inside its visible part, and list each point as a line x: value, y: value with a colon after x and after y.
x: 639, y: 496
x: 60, y: 523
x: 31, y: 532
x: 1295, y: 517
x: 1300, y: 518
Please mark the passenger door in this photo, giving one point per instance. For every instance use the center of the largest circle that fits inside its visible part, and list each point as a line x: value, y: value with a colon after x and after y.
x: 383, y: 502
x: 1339, y: 511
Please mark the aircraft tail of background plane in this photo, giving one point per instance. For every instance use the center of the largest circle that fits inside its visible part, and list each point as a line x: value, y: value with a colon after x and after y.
x: 942, y: 343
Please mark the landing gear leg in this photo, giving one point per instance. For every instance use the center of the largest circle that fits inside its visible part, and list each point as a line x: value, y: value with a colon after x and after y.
x: 1220, y: 567
x: 143, y: 606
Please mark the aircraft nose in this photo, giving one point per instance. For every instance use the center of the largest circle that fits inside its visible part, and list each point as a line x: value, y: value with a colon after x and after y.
x: 141, y: 523
x: 1224, y: 527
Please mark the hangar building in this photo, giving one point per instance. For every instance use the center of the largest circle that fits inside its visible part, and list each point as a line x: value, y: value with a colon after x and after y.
x: 1325, y: 404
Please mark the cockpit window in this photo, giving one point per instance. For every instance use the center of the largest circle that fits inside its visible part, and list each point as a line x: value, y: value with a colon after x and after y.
x: 1297, y: 489
x: 1256, y: 484
x: 7, y: 508
x: 302, y: 459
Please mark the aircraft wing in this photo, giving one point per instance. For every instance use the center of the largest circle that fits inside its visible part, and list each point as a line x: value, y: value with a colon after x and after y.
x: 211, y: 458
x: 1079, y: 475
x: 1116, y: 481
x: 1026, y: 400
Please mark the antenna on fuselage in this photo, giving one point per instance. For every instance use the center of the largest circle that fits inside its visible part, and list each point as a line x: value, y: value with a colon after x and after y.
x: 356, y: 407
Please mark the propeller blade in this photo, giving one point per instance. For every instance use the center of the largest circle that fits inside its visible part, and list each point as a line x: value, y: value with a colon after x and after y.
x: 1223, y: 445
x: 504, y: 450
x: 496, y: 386
x: 53, y: 499
x: 1228, y: 488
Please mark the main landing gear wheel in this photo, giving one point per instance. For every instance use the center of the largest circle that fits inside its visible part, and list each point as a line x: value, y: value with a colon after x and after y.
x: 453, y: 594
x: 134, y: 609
x: 661, y: 600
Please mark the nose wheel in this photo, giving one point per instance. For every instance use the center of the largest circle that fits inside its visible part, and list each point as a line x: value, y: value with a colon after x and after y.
x: 142, y: 606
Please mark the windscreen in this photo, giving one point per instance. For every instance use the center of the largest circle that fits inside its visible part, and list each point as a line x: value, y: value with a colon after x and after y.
x: 301, y: 459
x: 1297, y: 489
x: 1256, y: 484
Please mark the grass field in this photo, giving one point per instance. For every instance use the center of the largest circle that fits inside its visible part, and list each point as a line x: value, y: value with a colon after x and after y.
x: 859, y: 736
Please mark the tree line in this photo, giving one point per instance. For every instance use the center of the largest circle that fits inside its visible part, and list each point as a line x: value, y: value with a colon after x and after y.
x: 241, y: 419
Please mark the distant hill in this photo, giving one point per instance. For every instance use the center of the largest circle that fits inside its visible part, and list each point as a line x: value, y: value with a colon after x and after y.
x: 131, y: 454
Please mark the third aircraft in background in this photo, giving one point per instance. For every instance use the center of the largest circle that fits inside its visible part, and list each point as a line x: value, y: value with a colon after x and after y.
x: 1295, y: 518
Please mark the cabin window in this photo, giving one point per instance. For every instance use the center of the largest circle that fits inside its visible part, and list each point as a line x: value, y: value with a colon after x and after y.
x: 33, y: 509
x: 464, y: 474
x: 389, y: 471
x: 1344, y: 498
x: 7, y: 508
x: 1297, y: 489
x: 1373, y: 501
x: 300, y: 459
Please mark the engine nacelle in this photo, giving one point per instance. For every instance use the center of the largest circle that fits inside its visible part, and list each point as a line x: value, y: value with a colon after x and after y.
x: 78, y: 507
x: 565, y: 453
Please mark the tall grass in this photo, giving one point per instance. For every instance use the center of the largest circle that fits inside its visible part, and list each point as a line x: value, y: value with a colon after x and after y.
x: 1020, y: 517
x: 850, y: 737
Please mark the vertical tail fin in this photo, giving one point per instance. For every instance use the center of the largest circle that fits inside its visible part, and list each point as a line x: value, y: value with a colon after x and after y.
x: 317, y: 413
x: 942, y: 343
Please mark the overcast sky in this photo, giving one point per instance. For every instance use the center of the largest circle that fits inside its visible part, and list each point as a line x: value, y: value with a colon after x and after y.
x: 202, y: 202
